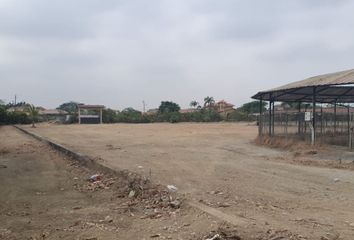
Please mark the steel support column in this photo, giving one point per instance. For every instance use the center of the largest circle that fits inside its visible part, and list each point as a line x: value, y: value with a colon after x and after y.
x: 270, y: 116
x: 335, y: 117
x: 321, y: 120
x: 260, y: 120
x: 314, y: 112
x: 299, y: 118
x: 273, y: 117
x: 348, y: 124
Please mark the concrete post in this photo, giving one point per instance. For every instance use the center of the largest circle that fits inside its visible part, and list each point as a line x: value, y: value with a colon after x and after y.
x: 79, y: 115
x: 100, y: 115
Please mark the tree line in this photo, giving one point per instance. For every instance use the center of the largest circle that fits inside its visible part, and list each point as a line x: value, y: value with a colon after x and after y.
x: 29, y: 113
x: 168, y: 111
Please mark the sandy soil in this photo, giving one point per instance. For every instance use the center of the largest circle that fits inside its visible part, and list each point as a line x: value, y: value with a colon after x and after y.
x: 217, y: 165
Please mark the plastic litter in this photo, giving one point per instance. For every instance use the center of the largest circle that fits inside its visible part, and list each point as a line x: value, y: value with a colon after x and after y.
x: 95, y: 178
x: 172, y: 188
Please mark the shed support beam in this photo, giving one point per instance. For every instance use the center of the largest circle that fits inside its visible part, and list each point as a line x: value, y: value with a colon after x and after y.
x: 348, y: 122
x: 270, y: 117
x: 314, y: 114
x: 260, y: 120
x: 335, y: 117
x: 273, y: 118
x: 299, y: 118
x: 100, y: 115
x: 321, y: 120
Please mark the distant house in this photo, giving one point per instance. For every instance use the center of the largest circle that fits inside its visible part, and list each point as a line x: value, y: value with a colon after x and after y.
x: 57, y: 115
x: 188, y: 110
x: 224, y: 107
x: 17, y: 109
x: 151, y: 112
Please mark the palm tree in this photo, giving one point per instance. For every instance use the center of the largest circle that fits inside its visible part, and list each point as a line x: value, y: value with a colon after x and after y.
x: 208, y: 101
x: 194, y: 104
x: 33, y: 113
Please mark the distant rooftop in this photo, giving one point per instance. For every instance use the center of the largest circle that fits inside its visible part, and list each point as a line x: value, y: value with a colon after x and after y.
x: 53, y: 112
x: 90, y: 106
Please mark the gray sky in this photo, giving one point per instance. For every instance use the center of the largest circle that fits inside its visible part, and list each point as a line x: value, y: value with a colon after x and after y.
x: 118, y: 53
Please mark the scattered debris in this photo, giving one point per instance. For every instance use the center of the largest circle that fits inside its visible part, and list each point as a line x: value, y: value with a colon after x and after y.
x: 272, y: 234
x: 111, y: 147
x: 131, y: 194
x: 330, y: 236
x: 224, y: 205
x: 216, y: 192
x: 172, y: 188
x: 95, y: 177
x: 223, y: 233
x: 175, y: 204
x: 336, y: 179
x: 155, y: 236
x: 216, y: 236
x: 108, y: 219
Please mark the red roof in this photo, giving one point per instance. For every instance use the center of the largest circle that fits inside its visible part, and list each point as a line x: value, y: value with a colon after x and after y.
x: 225, y: 103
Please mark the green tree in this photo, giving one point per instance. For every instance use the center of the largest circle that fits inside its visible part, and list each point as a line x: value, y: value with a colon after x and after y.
x: 168, y: 107
x: 109, y: 115
x: 194, y: 104
x: 130, y: 115
x: 252, y: 107
x: 208, y: 101
x: 33, y: 113
x: 3, y: 114
x: 70, y: 107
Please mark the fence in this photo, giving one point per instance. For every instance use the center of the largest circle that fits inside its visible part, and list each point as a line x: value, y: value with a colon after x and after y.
x: 331, y: 126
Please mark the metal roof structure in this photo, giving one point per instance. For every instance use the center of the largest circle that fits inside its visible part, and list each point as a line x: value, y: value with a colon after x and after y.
x: 328, y: 88
x: 84, y: 106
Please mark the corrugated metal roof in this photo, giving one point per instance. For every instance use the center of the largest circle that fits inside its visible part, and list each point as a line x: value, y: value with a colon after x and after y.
x: 328, y: 89
x: 84, y: 106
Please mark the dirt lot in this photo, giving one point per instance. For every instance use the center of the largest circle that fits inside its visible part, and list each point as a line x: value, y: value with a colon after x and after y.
x: 46, y: 196
x: 218, y: 168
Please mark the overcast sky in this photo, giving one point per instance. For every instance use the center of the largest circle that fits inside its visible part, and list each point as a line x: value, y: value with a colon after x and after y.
x: 119, y: 53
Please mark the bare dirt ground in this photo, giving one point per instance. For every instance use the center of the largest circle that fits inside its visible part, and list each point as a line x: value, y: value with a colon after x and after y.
x: 46, y: 196
x: 217, y: 167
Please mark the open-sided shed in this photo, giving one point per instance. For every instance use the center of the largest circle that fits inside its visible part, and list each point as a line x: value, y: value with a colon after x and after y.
x: 90, y: 114
x: 335, y: 89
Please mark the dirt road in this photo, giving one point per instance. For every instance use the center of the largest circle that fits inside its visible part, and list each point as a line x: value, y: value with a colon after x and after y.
x: 217, y: 165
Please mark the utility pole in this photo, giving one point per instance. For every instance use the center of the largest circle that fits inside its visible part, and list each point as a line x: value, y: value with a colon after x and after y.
x: 144, y: 106
x: 15, y: 99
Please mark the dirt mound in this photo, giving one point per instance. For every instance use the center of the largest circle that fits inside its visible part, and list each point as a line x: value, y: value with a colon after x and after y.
x: 140, y: 192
